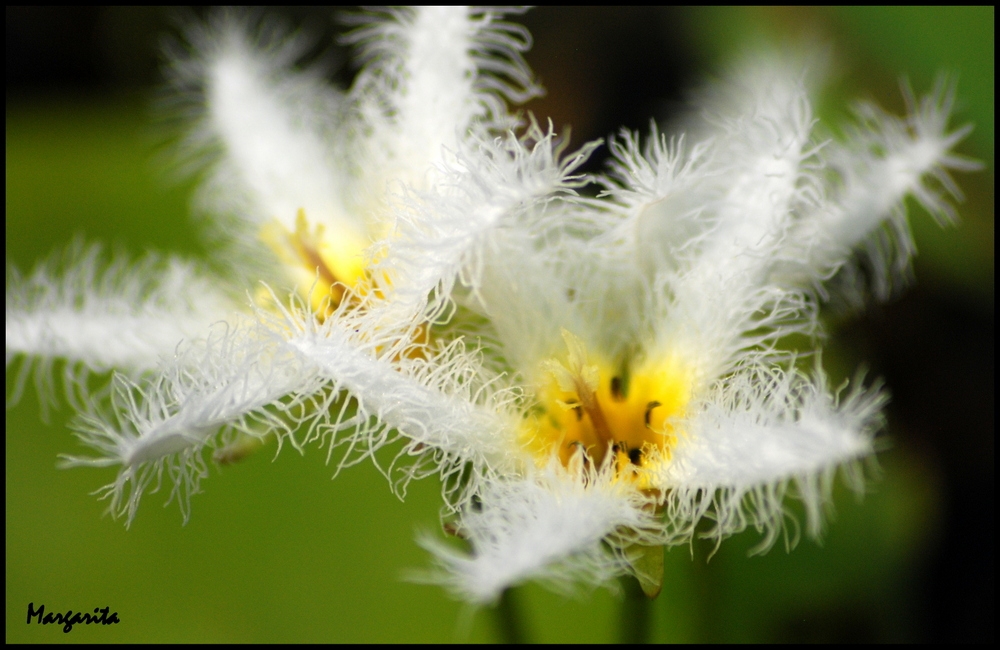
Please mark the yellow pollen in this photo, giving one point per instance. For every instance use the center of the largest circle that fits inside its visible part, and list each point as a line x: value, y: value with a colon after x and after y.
x: 597, y: 409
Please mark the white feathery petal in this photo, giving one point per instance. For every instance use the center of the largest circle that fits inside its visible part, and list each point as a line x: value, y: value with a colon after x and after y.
x: 512, y: 275
x: 885, y: 159
x: 443, y: 236
x: 126, y: 315
x: 690, y: 254
x: 664, y: 193
x: 424, y: 73
x: 234, y: 380
x: 757, y: 431
x: 547, y: 525
x: 439, y: 400
x: 721, y: 329
x: 431, y: 74
x: 758, y: 151
x: 276, y: 131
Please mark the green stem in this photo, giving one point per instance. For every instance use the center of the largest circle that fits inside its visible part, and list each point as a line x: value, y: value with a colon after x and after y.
x: 636, y: 613
x: 509, y: 622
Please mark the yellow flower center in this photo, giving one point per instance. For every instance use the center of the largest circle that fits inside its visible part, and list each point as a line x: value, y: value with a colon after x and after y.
x: 595, y: 410
x: 337, y: 258
x: 325, y: 266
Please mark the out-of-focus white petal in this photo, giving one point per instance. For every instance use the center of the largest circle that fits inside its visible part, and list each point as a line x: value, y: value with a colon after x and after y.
x: 277, y: 134
x: 751, y: 179
x: 432, y: 74
x: 120, y: 315
x: 760, y: 120
x: 548, y: 525
x: 884, y: 160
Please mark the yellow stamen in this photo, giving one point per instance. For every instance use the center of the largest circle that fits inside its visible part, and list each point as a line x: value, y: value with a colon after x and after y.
x: 591, y: 408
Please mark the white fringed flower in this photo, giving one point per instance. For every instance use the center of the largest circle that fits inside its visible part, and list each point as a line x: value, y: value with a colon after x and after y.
x: 643, y: 332
x: 590, y: 378
x: 298, y: 184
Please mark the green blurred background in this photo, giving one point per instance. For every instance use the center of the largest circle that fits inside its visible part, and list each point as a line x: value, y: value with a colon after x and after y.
x: 275, y: 551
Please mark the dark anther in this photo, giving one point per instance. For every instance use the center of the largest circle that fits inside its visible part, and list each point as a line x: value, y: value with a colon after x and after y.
x: 649, y: 409
x: 635, y: 456
x: 616, y: 389
x: 579, y: 412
